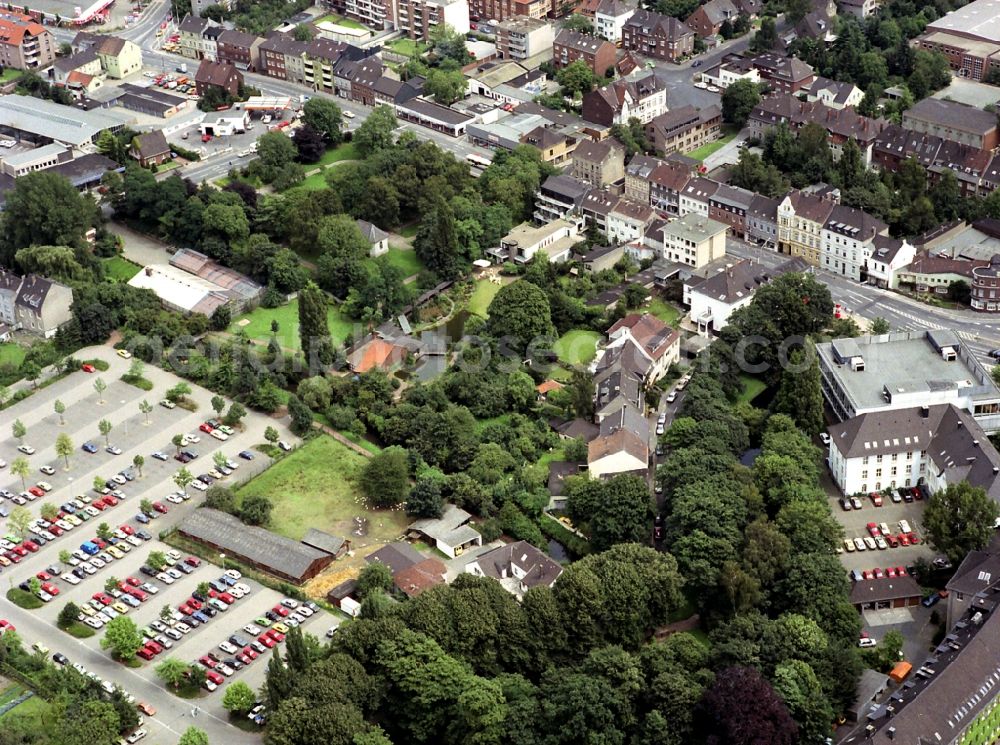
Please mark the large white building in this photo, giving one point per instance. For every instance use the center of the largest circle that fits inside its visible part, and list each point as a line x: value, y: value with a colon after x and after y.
x: 933, y: 445
x: 694, y: 240
x: 712, y: 299
x: 904, y: 370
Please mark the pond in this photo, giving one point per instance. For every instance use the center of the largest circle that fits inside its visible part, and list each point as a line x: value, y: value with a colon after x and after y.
x: 749, y: 456
x: 455, y: 326
x: 558, y: 551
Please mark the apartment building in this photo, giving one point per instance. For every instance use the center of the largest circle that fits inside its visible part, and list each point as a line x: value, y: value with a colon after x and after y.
x: 801, y: 218
x: 119, y: 57
x: 848, y: 241
x: 40, y: 305
x: 986, y: 286
x: 521, y: 38
x: 835, y: 94
x: 655, y: 35
x: 730, y: 205
x: 707, y: 19
x: 376, y: 14
x: 415, y: 18
x: 784, y: 74
x: 600, y: 164
x: 570, y: 46
x: 627, y: 221
x: 684, y: 129
x: 618, y: 102
x: 199, y: 38
x: 610, y: 18
x: 26, y: 45
x: 637, y: 177
x: 502, y: 10
x: 696, y: 196
x: 239, y: 49
x: 953, y: 121
x: 667, y: 182
x: 694, y: 240
x: 889, y: 256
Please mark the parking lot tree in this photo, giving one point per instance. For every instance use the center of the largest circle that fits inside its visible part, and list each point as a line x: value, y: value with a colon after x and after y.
x: 203, y: 588
x: 138, y: 461
x: 49, y: 512
x: 104, y: 531
x: 183, y: 478
x: 221, y: 498
x: 157, y: 560
x: 239, y: 698
x: 31, y: 370
x: 105, y: 427
x: 219, y: 459
x: 60, y: 409
x: 69, y: 614
x: 324, y: 116
x: 278, y: 683
x: 218, y: 405
x: 64, y: 447
x: 146, y: 409
x: 256, y: 510
x: 18, y: 521
x: 20, y: 467
x: 193, y: 736
x: 385, y: 478
x: 34, y: 585
x: 65, y: 556
x: 374, y: 577
x: 146, y: 506
x: 235, y: 414
x: 100, y: 386
x: 18, y: 430
x: 960, y: 519
x: 98, y: 484
x: 196, y: 676
x: 171, y: 671
x: 178, y: 442
x: 111, y: 583
x: 178, y: 392
x: 166, y: 612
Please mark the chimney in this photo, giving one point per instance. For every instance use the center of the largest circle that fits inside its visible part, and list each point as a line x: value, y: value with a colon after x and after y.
x: 149, y: 271
x: 975, y: 443
x: 925, y: 411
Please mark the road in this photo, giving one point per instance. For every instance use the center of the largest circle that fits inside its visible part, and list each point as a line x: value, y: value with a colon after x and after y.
x: 978, y: 331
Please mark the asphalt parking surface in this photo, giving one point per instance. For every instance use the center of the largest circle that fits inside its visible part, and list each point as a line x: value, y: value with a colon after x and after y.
x: 855, y: 524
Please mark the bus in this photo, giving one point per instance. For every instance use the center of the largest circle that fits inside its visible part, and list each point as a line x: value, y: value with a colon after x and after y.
x: 478, y: 161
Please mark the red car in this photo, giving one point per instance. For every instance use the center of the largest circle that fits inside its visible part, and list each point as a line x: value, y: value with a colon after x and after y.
x: 904, y: 539
x: 194, y: 604
x: 6, y: 625
x: 20, y: 550
x: 208, y: 661
x: 873, y: 530
x: 102, y: 598
x: 879, y: 574
x: 139, y: 595
x: 154, y: 647
x: 160, y: 507
x: 193, y: 561
x: 250, y: 652
x: 110, y: 501
x: 134, y: 581
x: 266, y: 640
x: 244, y: 659
x: 145, y: 654
x: 43, y: 576
x: 867, y: 574
x: 87, y: 368
x: 186, y: 609
x: 890, y: 572
x: 917, y: 494
x: 893, y: 540
x: 276, y: 635
x: 13, y: 556
x: 99, y: 505
x: 280, y: 610
x: 205, y: 428
x: 914, y: 540
x: 50, y: 588
x: 31, y: 546
x: 36, y: 491
x: 55, y: 530
x: 101, y: 544
x: 226, y: 598
x: 127, y: 529
x: 214, y: 677
x: 900, y: 571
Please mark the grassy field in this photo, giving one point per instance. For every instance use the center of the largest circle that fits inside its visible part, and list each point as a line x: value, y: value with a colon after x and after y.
x: 663, y: 310
x: 11, y: 354
x: 705, y: 150
x: 409, y: 231
x: 341, y: 21
x: 34, y: 706
x: 120, y: 269
x: 315, y: 487
x: 577, y: 347
x: 407, y: 261
x: 312, y: 183
x: 345, y: 151
x: 407, y: 47
x: 259, y: 326
x: 752, y: 387
x: 482, y: 296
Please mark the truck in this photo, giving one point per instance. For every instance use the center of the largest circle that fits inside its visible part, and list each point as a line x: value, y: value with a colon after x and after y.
x: 89, y: 547
x: 182, y: 68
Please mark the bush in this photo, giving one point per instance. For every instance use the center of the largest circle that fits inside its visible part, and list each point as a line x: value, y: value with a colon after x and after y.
x: 184, y: 152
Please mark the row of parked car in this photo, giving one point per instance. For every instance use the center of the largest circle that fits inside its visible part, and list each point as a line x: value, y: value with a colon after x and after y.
x: 879, y: 537
x: 902, y: 494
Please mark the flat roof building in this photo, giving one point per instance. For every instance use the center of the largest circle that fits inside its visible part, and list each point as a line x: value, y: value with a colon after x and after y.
x: 44, y: 121
x: 181, y: 291
x: 903, y: 370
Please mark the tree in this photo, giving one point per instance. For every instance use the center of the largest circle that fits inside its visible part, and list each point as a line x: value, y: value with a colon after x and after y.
x: 239, y: 698
x: 741, y: 708
x: 234, y: 415
x: 324, y: 116
x: 576, y: 79
x: 738, y: 100
x: 122, y: 636
x: 309, y: 143
x: 960, y: 519
x: 100, y: 386
x: 297, y: 653
x: 98, y: 484
x: 302, y: 416
x: 581, y: 23
x: 437, y: 243
x: 105, y: 427
x: 193, y: 736
x: 171, y: 671
x: 104, y: 531
x: 959, y: 291
x: 314, y: 332
x: 519, y: 312
x: 138, y: 461
x: 766, y: 37
x: 221, y: 498
x: 18, y: 521
x: 446, y: 86
x: 111, y: 583
x: 19, y: 430
x: 425, y: 499
x: 256, y: 510
x: 166, y: 612
x: 218, y: 405
x: 275, y: 151
x: 374, y: 577
x: 69, y: 614
x: 800, y: 394
x: 21, y: 467
x: 384, y: 480
x: 178, y: 392
x: 448, y: 43
x: 146, y: 409
x: 64, y: 447
x: 60, y: 409
x: 157, y: 560
x: 271, y: 435
x: 375, y: 133
x: 879, y: 326
x: 183, y: 478
x: 615, y: 511
x: 50, y: 512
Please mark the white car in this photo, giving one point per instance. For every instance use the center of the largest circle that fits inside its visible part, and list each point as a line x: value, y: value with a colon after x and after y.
x: 44, y: 486
x: 859, y: 543
x: 229, y: 573
x: 870, y: 543
x: 287, y: 602
x: 70, y: 577
x: 26, y: 449
x: 303, y: 611
x: 253, y: 629
x: 199, y: 485
x: 94, y: 622
x: 147, y: 587
x: 98, y: 563
x: 219, y: 435
x: 866, y: 642
x: 229, y: 648
x: 165, y: 578
x: 192, y: 438
x: 88, y: 568
x: 174, y: 499
x: 904, y: 527
x: 174, y: 554
x: 245, y: 589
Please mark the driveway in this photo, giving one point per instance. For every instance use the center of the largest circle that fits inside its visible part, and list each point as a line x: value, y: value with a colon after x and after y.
x: 140, y: 248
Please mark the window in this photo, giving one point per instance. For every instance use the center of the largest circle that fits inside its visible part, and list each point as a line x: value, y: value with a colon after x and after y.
x: 878, y: 473
x: 864, y: 487
x: 864, y: 461
x: 864, y: 474
x: 893, y: 473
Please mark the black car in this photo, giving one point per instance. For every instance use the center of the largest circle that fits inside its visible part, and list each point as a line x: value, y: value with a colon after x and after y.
x: 181, y: 457
x: 272, y: 616
x: 190, y: 454
x: 995, y: 354
x: 208, y: 611
x: 198, y: 596
x: 191, y: 621
x: 60, y: 658
x: 233, y: 663
x: 246, y: 455
x: 79, y: 573
x: 147, y: 570
x: 24, y: 586
x: 206, y: 479
x: 238, y: 640
x: 184, y: 568
x: 144, y: 534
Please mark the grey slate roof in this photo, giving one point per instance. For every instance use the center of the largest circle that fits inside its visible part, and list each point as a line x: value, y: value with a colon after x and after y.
x: 331, y: 544
x: 539, y: 569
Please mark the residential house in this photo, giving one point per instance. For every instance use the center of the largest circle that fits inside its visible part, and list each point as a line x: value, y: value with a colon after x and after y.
x: 602, y: 258
x: 25, y: 44
x: 888, y: 257
x: 377, y: 238
x: 412, y: 573
x: 10, y: 283
x: 694, y: 240
x: 357, y: 80
x: 622, y: 445
x: 555, y: 147
x: 860, y: 8
x: 239, y: 49
x: 283, y: 57
x: 928, y: 273
x: 667, y: 182
x: 600, y: 164
x: 953, y: 121
x: 596, y: 207
x: 150, y: 149
x: 730, y: 205
x: 713, y: 298
x: 199, y: 37
x: 555, y: 239
x: 936, y: 445
x: 985, y: 295
x: 558, y: 197
x: 570, y: 46
x: 84, y: 62
x: 416, y: 18
x: 618, y: 102
x: 42, y: 306
x: 848, y: 241
x: 655, y: 341
x: 637, y: 175
x: 517, y: 566
x: 783, y: 74
x: 221, y: 77
x: 609, y: 19
x: 618, y: 381
x: 685, y: 129
x: 450, y: 533
x: 696, y: 196
x: 762, y: 221
x: 658, y: 36
x: 119, y: 57
x: 907, y: 369
x: 835, y: 94
x: 520, y: 38
x: 801, y: 218
x: 504, y: 10
x: 627, y: 221
x: 707, y: 19
x: 729, y: 70
x: 977, y: 575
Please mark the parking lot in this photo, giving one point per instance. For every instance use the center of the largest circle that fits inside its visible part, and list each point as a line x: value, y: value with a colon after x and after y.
x: 133, y: 435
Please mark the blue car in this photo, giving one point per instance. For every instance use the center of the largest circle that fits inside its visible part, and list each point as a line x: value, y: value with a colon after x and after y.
x: 142, y: 518
x: 89, y: 447
x: 246, y: 455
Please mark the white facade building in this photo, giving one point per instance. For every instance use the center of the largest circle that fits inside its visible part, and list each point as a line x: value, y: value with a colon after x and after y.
x: 610, y: 19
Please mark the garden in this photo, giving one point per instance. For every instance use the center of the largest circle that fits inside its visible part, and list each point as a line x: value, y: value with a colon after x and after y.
x: 257, y: 324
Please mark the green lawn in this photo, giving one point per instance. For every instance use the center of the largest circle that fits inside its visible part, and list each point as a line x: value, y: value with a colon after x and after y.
x: 259, y: 326
x: 407, y: 47
x: 11, y: 354
x: 663, y: 310
x: 407, y: 261
x: 120, y: 269
x: 752, y: 387
x: 705, y: 150
x: 315, y: 487
x: 9, y: 74
x: 577, y: 347
x: 341, y: 21
x: 34, y: 706
x: 482, y: 296
x: 409, y: 231
x: 344, y: 151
